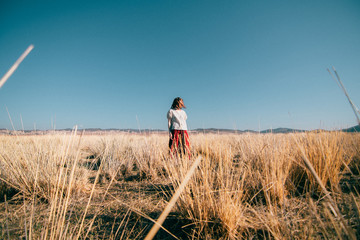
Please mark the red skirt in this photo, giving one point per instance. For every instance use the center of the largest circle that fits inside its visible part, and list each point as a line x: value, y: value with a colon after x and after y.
x: 179, y: 141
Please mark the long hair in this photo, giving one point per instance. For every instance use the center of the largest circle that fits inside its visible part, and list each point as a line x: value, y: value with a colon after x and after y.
x: 178, y: 103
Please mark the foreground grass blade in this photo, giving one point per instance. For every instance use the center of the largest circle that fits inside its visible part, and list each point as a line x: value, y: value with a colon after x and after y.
x: 15, y: 65
x: 341, y: 85
x: 173, y: 200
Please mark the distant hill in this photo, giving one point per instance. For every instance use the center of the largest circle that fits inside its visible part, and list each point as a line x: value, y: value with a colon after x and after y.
x: 215, y: 130
x: 276, y: 130
x: 147, y: 131
x: 282, y: 130
x: 352, y: 129
x: 219, y: 130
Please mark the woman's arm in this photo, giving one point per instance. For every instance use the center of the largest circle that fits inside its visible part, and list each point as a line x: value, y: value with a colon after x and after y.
x: 169, y: 115
x: 169, y: 125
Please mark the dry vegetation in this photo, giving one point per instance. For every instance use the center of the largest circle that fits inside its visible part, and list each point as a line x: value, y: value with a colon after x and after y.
x: 248, y: 186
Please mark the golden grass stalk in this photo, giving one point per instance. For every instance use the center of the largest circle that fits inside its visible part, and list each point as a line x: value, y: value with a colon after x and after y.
x: 15, y: 65
x: 341, y: 85
x: 6, y: 218
x: 88, y: 204
x: 173, y: 200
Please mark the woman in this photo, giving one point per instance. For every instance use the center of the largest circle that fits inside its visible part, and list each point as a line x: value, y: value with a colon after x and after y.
x: 179, y: 138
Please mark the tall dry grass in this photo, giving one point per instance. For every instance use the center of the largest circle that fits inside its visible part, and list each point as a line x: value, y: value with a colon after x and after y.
x: 73, y: 186
x: 257, y: 185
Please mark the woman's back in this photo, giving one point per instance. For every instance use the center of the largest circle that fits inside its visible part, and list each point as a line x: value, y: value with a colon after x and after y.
x: 177, y: 118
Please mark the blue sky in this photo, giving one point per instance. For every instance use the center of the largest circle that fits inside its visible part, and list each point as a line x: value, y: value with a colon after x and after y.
x: 237, y: 64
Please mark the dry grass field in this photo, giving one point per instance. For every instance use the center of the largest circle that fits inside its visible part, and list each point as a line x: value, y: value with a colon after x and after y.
x: 114, y: 186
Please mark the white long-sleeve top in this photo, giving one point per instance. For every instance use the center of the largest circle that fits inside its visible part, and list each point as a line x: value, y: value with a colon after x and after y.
x: 177, y: 119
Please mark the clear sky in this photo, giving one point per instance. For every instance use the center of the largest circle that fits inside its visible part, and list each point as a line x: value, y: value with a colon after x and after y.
x: 244, y: 64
